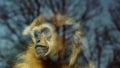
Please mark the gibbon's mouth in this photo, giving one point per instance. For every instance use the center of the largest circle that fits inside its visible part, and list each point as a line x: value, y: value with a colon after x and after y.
x: 41, y: 50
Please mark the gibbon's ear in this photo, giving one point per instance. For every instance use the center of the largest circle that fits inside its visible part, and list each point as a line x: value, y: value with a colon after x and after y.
x: 27, y: 30
x: 35, y: 22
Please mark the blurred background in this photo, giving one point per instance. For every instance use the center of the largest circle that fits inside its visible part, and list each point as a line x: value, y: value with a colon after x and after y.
x: 100, y: 20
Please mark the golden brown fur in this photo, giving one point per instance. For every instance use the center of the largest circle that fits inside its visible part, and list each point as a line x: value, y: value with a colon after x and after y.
x: 31, y: 60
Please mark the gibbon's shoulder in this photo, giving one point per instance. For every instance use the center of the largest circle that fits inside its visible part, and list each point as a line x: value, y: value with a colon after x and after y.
x: 28, y: 59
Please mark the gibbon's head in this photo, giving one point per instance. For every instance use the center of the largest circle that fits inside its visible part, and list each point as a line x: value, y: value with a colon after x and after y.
x: 47, y: 42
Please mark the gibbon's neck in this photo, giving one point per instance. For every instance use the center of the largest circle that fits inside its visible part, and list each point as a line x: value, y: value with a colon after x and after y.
x: 50, y: 64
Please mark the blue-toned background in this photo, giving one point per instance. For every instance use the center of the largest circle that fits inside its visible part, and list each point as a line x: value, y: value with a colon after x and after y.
x: 100, y: 20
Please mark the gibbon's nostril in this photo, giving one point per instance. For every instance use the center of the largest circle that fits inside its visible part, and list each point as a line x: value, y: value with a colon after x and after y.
x: 38, y: 41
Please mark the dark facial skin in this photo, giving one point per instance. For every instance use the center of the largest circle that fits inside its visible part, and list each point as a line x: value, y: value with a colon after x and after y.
x: 41, y: 46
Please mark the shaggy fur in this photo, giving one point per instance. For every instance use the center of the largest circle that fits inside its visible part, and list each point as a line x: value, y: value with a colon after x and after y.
x: 67, y: 54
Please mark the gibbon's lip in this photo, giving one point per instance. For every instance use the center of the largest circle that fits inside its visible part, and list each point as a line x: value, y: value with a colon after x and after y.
x: 41, y: 50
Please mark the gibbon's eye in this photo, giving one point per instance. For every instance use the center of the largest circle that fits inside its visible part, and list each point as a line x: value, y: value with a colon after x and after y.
x: 36, y: 33
x: 46, y: 31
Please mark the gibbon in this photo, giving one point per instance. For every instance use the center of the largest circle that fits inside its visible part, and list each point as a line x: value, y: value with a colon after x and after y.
x: 52, y: 46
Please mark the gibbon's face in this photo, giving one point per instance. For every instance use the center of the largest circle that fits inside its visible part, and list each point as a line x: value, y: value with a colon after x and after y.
x: 45, y: 40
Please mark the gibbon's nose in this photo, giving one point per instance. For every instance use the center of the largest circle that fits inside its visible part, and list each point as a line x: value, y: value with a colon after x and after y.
x: 37, y: 41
